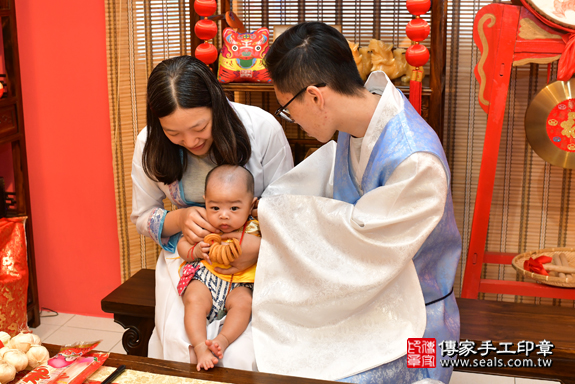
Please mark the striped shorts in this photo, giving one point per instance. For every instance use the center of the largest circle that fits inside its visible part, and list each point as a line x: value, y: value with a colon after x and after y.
x: 218, y: 288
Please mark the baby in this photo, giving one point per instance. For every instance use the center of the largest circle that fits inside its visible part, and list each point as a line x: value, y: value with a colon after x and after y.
x: 229, y: 197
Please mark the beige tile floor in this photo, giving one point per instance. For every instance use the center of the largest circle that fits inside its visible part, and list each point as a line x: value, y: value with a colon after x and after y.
x: 67, y: 328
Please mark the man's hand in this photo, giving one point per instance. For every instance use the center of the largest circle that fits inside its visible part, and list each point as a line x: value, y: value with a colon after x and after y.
x: 249, y: 256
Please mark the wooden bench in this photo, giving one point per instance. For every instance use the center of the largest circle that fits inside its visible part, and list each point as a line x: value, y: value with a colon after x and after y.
x: 133, y: 303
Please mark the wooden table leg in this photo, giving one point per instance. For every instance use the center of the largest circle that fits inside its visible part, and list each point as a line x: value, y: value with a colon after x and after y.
x: 137, y: 335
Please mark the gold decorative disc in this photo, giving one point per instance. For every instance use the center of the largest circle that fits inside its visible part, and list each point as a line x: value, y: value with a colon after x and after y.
x: 560, y: 12
x: 550, y: 124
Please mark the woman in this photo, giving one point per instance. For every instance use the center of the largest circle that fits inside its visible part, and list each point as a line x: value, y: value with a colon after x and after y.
x: 191, y: 128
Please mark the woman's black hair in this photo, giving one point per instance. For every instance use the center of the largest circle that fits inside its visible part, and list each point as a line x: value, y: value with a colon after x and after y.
x: 185, y: 82
x: 312, y: 53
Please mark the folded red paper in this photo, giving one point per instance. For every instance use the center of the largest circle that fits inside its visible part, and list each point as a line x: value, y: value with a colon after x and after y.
x: 536, y: 265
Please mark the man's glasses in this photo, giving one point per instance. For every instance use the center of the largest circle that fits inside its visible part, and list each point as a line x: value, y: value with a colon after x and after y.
x: 283, y: 112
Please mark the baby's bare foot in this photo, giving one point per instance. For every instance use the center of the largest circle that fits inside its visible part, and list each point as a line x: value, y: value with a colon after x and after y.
x: 218, y: 345
x: 206, y: 358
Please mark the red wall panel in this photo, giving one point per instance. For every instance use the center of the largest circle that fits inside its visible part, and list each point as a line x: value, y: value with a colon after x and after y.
x: 64, y: 86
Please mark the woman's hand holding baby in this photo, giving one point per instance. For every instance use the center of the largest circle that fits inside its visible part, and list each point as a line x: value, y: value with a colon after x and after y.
x: 190, y: 221
x: 194, y: 225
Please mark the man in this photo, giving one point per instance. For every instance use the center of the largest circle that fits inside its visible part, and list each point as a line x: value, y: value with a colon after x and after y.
x: 359, y: 243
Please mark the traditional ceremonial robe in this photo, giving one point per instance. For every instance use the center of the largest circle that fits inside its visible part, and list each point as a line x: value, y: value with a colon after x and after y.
x: 271, y: 157
x: 342, y: 282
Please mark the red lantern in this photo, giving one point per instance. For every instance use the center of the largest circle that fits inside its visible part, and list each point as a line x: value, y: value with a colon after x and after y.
x: 205, y: 7
x: 205, y: 29
x: 417, y: 30
x: 206, y: 53
x: 418, y: 7
x: 417, y: 55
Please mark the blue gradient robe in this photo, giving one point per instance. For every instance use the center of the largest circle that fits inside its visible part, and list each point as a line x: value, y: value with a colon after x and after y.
x: 437, y: 259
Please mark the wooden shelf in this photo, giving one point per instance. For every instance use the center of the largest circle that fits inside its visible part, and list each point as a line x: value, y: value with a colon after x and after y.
x: 266, y: 87
x: 404, y: 87
x: 248, y: 87
x: 301, y: 145
x: 433, y: 91
x: 11, y: 214
x: 10, y: 139
x: 13, y: 132
x: 5, y: 101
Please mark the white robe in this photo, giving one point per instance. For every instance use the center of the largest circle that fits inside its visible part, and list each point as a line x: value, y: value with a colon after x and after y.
x: 340, y: 294
x: 271, y: 157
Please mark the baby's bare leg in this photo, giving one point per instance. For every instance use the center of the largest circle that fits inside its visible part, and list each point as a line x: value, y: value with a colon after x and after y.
x: 197, y: 306
x: 239, y: 306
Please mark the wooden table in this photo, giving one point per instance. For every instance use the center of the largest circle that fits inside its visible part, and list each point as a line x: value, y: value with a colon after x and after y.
x: 172, y: 368
x: 133, y: 307
x: 498, y: 321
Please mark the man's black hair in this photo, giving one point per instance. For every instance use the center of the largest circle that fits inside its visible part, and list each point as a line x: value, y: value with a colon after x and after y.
x: 311, y: 53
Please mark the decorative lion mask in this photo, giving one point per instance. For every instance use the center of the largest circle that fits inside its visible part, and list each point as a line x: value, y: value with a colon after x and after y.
x: 241, y: 58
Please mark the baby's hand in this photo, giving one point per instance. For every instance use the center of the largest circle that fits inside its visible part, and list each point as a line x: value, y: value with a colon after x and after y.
x: 201, y: 251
